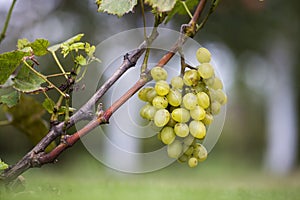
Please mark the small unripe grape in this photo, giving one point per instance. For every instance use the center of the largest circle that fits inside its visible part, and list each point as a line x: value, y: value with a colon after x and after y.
x: 160, y: 102
x: 159, y: 73
x: 203, y: 55
x: 190, y: 101
x: 188, y: 140
x: 171, y: 122
x: 174, y: 149
x: 148, y: 112
x: 215, y: 108
x: 197, y: 129
x: 177, y: 82
x: 151, y: 94
x: 206, y: 70
x: 174, y: 97
x: 181, y: 129
x: 198, y: 113
x: 217, y: 84
x: 181, y: 115
x: 193, y: 162
x: 183, y: 158
x: 208, y: 119
x: 202, y: 154
x: 143, y: 93
x: 203, y: 100
x: 162, y: 88
x: 161, y: 117
x: 167, y: 135
x: 191, y: 78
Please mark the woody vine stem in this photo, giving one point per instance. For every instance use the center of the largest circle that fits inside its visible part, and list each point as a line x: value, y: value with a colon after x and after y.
x: 38, y: 157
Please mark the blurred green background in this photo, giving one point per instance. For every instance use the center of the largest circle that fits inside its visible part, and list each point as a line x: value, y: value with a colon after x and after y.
x: 257, y: 47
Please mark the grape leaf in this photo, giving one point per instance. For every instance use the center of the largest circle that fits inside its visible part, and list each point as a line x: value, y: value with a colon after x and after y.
x: 116, y: 7
x: 161, y: 5
x: 179, y: 8
x: 27, y: 117
x: 27, y: 81
x: 9, y: 62
x: 22, y: 43
x: 49, y: 104
x: 40, y: 46
x: 10, y: 99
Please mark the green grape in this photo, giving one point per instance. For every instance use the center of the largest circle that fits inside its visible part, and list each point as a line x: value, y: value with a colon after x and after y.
x: 151, y: 94
x: 200, y: 87
x: 161, y: 117
x: 221, y: 96
x: 174, y: 149
x: 177, y: 82
x: 203, y: 55
x: 162, y: 88
x: 174, y: 97
x: 202, y: 154
x: 206, y: 70
x: 188, y: 150
x: 171, y: 122
x: 160, y: 102
x: 191, y: 77
x: 183, y: 158
x: 159, y: 136
x: 143, y: 93
x: 210, y: 81
x: 193, y: 162
x: 148, y: 112
x: 197, y: 129
x: 198, y: 113
x: 181, y: 115
x: 215, y: 108
x: 203, y: 100
x: 159, y: 73
x: 217, y: 84
x: 190, y: 101
x: 181, y: 129
x: 208, y: 119
x: 167, y: 135
x: 188, y: 140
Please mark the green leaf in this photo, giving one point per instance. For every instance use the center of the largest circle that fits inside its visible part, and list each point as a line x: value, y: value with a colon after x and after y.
x: 116, y: 7
x: 3, y: 165
x: 9, y: 62
x: 161, y: 5
x: 27, y: 81
x: 10, y: 99
x: 179, y: 8
x: 81, y: 60
x: 40, y: 46
x: 49, y: 104
x: 27, y: 117
x: 22, y: 43
x: 68, y: 42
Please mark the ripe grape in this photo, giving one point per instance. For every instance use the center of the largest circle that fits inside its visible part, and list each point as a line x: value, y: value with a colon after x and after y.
x: 162, y: 88
x: 188, y: 140
x: 183, y: 158
x: 215, y: 108
x: 181, y: 129
x: 208, y: 119
x: 177, y: 82
x: 203, y: 100
x: 198, y: 113
x: 161, y: 117
x: 181, y: 115
x: 202, y: 154
x: 221, y: 96
x: 158, y: 73
x: 193, y: 162
x: 206, y: 70
x: 148, y: 112
x: 203, y: 55
x: 191, y: 77
x: 174, y: 149
x: 190, y: 101
x: 197, y: 129
x: 167, y: 135
x: 174, y: 97
x: 217, y: 84
x: 151, y: 94
x: 143, y: 93
x: 160, y: 102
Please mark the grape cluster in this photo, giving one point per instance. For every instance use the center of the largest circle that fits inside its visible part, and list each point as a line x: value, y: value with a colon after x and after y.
x: 184, y: 108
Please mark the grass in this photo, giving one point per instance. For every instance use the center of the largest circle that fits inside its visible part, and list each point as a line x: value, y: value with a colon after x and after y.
x: 216, y: 179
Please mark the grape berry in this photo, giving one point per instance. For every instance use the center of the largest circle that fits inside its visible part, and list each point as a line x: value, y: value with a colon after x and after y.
x: 184, y: 108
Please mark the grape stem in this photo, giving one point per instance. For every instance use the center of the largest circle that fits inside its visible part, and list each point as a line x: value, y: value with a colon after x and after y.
x: 3, y: 33
x: 38, y: 157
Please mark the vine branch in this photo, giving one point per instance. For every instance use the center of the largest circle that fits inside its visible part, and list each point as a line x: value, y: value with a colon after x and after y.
x: 3, y: 33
